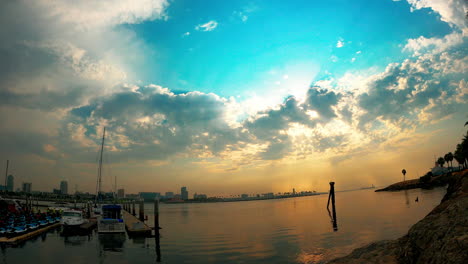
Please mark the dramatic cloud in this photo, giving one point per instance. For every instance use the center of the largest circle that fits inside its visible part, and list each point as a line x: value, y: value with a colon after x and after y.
x: 85, y: 14
x: 451, y: 11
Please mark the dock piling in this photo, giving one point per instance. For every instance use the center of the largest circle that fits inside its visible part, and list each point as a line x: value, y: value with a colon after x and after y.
x: 333, y: 215
x: 156, y: 230
x: 141, y: 211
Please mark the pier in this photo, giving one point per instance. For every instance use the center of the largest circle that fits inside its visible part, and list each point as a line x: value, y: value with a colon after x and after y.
x: 134, y: 226
x: 20, y: 238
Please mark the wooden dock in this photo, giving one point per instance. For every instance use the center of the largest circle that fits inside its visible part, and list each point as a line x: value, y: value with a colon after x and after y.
x: 17, y: 239
x: 134, y: 226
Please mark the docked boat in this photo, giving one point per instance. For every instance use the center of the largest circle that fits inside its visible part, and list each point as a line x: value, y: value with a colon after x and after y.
x: 72, y: 219
x: 111, y: 220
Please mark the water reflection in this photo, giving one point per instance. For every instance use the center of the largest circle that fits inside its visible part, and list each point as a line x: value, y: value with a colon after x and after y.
x: 407, y: 198
x: 74, y: 240
x: 112, y: 242
x: 271, y: 231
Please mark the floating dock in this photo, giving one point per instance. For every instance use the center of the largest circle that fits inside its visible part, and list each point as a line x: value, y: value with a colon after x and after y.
x: 134, y: 226
x: 20, y: 238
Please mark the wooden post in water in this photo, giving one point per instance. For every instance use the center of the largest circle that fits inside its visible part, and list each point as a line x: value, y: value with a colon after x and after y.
x: 332, y: 196
x: 156, y: 230
x: 141, y: 211
x: 133, y: 208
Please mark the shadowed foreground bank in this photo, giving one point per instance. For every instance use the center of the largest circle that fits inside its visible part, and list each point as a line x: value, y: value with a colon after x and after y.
x: 440, y: 237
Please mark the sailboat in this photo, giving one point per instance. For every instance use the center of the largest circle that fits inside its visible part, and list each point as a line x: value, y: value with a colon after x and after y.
x: 110, y: 219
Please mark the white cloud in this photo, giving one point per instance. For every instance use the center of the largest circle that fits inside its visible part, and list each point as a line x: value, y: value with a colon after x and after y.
x: 86, y: 14
x: 340, y: 43
x: 433, y: 45
x: 451, y: 11
x: 208, y: 26
x: 358, y: 52
x: 353, y: 59
x: 186, y: 34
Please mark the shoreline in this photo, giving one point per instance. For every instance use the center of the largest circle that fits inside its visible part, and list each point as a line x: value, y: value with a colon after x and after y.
x: 435, y: 181
x: 440, y: 237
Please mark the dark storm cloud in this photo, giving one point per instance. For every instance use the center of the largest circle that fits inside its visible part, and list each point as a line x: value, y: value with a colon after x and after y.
x: 153, y: 123
x: 322, y: 101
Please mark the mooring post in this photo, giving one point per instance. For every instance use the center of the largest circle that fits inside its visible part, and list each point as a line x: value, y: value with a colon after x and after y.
x: 133, y: 207
x: 156, y: 230
x: 332, y: 196
x: 141, y: 211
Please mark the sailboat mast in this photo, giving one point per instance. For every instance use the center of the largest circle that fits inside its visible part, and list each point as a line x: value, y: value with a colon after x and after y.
x: 100, y: 164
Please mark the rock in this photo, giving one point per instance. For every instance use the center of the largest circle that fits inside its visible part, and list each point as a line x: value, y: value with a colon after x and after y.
x: 440, y: 237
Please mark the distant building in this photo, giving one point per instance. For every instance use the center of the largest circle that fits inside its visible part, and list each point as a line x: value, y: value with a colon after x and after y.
x: 177, y: 197
x: 27, y: 186
x: 10, y: 183
x: 184, y: 193
x: 131, y: 196
x: 56, y: 191
x: 149, y: 196
x: 64, y: 187
x: 2, y: 188
x: 121, y: 193
x: 169, y: 195
x: 268, y: 195
x: 294, y: 191
x: 244, y: 196
x: 199, y: 196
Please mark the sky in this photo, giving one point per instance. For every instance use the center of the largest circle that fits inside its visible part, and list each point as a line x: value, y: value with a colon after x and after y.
x: 230, y: 97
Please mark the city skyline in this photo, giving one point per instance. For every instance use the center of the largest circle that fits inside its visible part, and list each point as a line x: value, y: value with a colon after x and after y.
x: 233, y: 97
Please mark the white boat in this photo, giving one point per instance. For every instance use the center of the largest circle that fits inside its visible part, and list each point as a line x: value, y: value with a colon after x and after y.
x: 111, y: 220
x: 72, y: 219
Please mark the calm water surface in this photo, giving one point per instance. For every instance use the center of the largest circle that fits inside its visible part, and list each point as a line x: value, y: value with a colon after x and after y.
x: 294, y: 230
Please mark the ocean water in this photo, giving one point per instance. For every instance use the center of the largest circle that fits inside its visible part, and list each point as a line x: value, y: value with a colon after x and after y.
x: 293, y: 230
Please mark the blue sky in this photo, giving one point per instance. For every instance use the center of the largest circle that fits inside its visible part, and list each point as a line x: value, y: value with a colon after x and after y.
x: 276, y: 35
x: 230, y: 96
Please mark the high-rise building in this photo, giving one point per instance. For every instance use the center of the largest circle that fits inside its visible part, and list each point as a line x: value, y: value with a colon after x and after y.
x: 184, y: 193
x: 27, y: 186
x: 121, y: 193
x: 64, y: 187
x: 10, y: 183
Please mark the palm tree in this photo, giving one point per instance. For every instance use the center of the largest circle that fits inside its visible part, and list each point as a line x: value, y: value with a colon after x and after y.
x: 441, y: 161
x: 404, y: 173
x: 449, y: 158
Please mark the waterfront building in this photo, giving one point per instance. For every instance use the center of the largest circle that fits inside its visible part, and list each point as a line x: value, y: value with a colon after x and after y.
x: 169, y: 195
x: 121, y: 193
x: 149, y: 196
x: 132, y: 196
x: 27, y: 186
x: 199, y: 196
x: 64, y: 187
x: 10, y: 183
x: 184, y: 193
x: 244, y: 196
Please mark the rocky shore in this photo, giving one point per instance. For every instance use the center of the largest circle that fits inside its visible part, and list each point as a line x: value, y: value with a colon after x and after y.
x: 440, y: 237
x: 436, y: 181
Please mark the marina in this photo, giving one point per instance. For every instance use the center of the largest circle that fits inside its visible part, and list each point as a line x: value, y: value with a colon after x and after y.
x: 295, y: 230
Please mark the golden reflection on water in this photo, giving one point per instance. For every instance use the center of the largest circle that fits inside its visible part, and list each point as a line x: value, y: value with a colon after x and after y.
x: 300, y: 227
